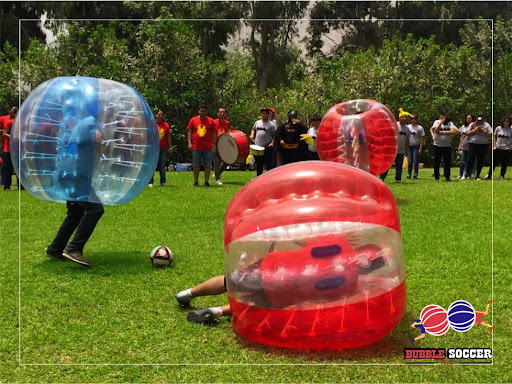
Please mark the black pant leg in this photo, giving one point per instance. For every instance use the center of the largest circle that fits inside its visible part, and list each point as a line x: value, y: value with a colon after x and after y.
x: 74, y: 214
x: 480, y: 155
x: 260, y: 161
x: 471, y: 159
x: 7, y: 170
x: 437, y: 161
x: 93, y: 213
x: 447, y: 160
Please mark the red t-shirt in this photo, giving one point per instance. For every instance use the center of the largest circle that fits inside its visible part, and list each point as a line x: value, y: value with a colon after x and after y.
x: 163, y: 131
x: 202, y: 130
x: 221, y: 126
x: 6, y: 125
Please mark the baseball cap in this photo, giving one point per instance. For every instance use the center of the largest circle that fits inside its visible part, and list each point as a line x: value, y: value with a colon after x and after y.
x: 316, y: 117
x: 264, y: 109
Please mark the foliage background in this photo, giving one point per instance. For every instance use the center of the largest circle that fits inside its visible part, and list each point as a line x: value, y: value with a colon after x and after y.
x: 178, y: 64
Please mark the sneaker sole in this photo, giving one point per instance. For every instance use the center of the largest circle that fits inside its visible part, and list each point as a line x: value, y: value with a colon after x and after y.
x: 69, y: 257
x: 183, y: 301
x: 204, y: 317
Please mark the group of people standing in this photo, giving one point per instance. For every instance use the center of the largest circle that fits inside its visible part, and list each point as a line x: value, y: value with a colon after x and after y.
x: 473, y: 145
x: 282, y: 143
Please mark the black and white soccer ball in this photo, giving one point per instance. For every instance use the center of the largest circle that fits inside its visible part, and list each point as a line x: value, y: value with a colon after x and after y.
x: 161, y: 256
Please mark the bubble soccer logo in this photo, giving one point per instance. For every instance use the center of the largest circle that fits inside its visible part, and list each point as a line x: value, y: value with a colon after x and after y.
x: 461, y: 316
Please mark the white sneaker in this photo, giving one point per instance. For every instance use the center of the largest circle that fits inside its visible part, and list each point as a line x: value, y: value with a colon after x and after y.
x: 463, y: 178
x: 219, y: 182
x: 150, y: 185
x: 477, y: 179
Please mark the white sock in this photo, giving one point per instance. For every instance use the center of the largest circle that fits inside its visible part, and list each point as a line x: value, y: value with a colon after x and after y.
x: 217, y: 311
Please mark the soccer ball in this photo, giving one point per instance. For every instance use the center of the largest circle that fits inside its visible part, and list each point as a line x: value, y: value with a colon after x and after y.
x: 161, y: 256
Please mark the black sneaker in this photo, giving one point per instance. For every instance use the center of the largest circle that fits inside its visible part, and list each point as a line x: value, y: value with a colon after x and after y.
x: 200, y: 316
x: 206, y: 184
x: 54, y: 255
x: 195, y: 185
x: 448, y: 179
x: 77, y: 257
x: 415, y: 177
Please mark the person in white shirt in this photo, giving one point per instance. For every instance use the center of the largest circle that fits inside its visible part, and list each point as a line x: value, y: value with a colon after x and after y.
x: 262, y: 133
x: 464, y: 145
x: 502, y: 147
x: 443, y: 131
x: 479, y: 133
x: 313, y: 132
x: 415, y: 146
x: 404, y: 135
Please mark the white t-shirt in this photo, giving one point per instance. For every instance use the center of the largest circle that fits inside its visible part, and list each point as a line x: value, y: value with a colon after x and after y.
x: 465, y: 138
x: 479, y: 137
x: 417, y: 132
x: 403, y: 135
x: 443, y: 140
x: 503, y: 137
x: 264, y: 132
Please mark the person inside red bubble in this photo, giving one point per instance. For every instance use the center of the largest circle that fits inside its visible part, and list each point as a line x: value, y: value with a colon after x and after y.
x: 262, y: 282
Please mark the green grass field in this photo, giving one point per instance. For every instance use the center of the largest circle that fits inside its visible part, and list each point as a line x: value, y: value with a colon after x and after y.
x: 119, y: 322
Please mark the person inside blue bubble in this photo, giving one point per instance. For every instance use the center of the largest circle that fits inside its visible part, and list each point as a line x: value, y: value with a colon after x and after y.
x: 75, y: 175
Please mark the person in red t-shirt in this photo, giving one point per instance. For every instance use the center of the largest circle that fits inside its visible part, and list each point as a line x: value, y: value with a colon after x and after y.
x: 7, y: 167
x: 201, y: 139
x: 164, y: 133
x: 221, y: 126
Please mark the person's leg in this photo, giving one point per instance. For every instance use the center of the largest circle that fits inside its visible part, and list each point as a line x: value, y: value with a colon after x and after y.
x: 410, y: 161
x: 505, y: 158
x: 260, y: 161
x: 7, y: 169
x: 496, y: 157
x: 447, y: 160
x: 74, y: 214
x: 399, y: 164
x: 268, y: 158
x: 207, y: 315
x: 480, y: 155
x: 416, y: 160
x: 162, y: 161
x: 217, y: 164
x: 207, y: 162
x: 471, y: 160
x: 93, y: 213
x: 437, y: 161
x: 213, y: 286
x: 463, y: 162
x: 196, y: 163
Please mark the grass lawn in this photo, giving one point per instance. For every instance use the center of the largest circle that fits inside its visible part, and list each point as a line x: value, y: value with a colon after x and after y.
x: 100, y: 324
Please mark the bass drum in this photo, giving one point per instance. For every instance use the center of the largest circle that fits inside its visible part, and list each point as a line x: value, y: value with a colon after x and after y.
x: 233, y: 147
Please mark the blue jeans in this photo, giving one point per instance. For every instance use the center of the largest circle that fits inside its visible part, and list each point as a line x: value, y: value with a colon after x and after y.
x: 399, y: 163
x: 160, y: 167
x: 413, y: 158
x: 464, y: 161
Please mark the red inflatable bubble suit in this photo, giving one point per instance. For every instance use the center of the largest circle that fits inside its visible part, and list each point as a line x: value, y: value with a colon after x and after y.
x: 362, y: 133
x: 313, y: 258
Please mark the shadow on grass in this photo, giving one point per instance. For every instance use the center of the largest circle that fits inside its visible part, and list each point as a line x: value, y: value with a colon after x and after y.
x: 104, y: 264
x: 391, y: 346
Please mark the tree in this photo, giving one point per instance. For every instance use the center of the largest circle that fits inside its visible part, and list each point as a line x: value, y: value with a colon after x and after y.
x: 272, y: 26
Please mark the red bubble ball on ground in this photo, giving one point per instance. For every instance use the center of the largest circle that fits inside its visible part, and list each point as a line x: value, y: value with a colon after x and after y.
x: 361, y: 133
x: 313, y: 258
x: 435, y: 320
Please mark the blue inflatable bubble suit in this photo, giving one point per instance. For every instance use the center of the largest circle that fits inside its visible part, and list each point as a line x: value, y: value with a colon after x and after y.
x: 85, y: 139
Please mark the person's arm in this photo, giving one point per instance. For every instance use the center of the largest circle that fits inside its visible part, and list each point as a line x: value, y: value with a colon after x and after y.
x: 460, y: 144
x: 472, y: 129
x: 253, y: 133
x: 214, y: 137
x: 189, y: 138
x: 421, y: 145
x: 437, y: 129
x: 493, y: 142
x: 169, y: 141
x: 486, y: 132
